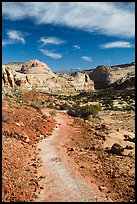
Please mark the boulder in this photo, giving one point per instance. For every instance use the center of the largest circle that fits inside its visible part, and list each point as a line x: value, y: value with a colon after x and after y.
x: 90, y: 117
x: 117, y: 149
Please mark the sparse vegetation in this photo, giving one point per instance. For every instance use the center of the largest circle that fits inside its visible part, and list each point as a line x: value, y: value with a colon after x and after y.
x: 17, y: 93
x: 53, y: 112
x: 42, y: 102
x: 108, y: 104
x: 84, y: 111
x: 128, y: 107
x: 64, y: 106
x: 77, y: 106
x: 51, y: 105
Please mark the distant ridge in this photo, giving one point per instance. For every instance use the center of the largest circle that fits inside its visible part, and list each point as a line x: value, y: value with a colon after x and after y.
x: 105, y: 76
x: 119, y: 65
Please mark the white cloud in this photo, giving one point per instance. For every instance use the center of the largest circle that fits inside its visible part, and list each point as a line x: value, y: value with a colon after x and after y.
x: 76, y: 46
x: 51, y: 54
x: 51, y: 40
x: 87, y: 58
x: 6, y: 42
x: 14, y: 36
x: 110, y: 18
x: 117, y: 44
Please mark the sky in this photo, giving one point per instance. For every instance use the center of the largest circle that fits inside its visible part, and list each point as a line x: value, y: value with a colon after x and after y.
x: 69, y: 36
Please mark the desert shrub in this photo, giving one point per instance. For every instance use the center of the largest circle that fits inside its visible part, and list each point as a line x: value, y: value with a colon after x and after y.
x: 17, y: 92
x: 53, y: 112
x: 108, y: 103
x: 90, y: 110
x: 64, y: 106
x: 128, y: 107
x: 42, y: 102
x: 35, y: 105
x: 75, y: 111
x: 51, y: 105
x: 84, y: 111
x: 7, y: 93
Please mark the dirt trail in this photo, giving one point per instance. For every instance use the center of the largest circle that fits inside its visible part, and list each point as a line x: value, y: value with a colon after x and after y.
x: 61, y: 180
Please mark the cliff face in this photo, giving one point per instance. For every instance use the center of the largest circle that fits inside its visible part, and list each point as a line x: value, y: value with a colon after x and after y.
x: 127, y: 81
x: 106, y: 76
x: 37, y: 75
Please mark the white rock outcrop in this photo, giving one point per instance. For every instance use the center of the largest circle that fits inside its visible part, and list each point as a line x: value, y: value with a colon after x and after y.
x: 104, y: 76
x: 37, y: 75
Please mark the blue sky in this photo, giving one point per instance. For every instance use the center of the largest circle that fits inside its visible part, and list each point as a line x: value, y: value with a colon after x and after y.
x: 69, y: 36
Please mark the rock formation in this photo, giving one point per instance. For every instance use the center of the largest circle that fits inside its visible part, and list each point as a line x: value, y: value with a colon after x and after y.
x: 128, y: 81
x: 35, y: 67
x: 79, y: 80
x: 105, y: 76
x: 7, y: 76
x: 100, y: 76
x: 37, y: 75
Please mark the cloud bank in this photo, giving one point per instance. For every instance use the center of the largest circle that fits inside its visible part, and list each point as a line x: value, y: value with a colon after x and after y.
x: 109, y: 18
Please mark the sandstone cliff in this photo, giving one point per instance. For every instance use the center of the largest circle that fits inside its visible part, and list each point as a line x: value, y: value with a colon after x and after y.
x: 127, y: 81
x: 35, y: 67
x: 105, y: 76
x: 37, y: 75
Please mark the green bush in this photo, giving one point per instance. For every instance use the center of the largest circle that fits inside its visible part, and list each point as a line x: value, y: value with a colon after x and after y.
x: 53, y: 112
x: 84, y: 111
x: 75, y: 111
x: 128, y: 107
x: 64, y: 106
x: 51, y: 105
x: 90, y: 110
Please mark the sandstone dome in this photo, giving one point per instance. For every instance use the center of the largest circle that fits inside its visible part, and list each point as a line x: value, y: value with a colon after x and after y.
x: 35, y: 67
